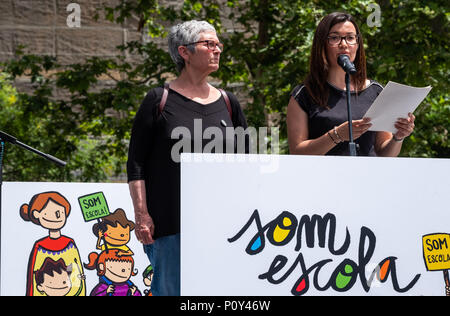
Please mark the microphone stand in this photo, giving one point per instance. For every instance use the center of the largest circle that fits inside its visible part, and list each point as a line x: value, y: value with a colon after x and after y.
x: 5, y: 138
x: 351, y: 144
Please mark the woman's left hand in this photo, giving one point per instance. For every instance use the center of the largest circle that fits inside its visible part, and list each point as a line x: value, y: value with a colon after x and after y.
x: 405, y: 126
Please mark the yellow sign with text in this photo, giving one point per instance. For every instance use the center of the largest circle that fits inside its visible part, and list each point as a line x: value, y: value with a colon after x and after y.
x: 436, y: 251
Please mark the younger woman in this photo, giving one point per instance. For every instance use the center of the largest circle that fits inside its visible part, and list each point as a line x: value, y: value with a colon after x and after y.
x: 317, y: 111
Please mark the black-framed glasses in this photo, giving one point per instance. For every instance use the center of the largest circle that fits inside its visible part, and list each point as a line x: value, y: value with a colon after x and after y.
x: 350, y: 39
x: 210, y: 44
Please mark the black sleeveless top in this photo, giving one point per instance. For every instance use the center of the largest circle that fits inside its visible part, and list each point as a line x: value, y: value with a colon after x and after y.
x: 321, y: 120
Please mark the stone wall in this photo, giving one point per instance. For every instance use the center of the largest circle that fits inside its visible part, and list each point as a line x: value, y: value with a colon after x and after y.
x: 42, y: 26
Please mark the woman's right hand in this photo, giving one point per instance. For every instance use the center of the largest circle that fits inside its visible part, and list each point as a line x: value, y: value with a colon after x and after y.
x: 144, y: 228
x: 359, y: 128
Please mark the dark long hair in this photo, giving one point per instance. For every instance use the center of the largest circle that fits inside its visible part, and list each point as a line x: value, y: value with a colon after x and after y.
x: 316, y: 80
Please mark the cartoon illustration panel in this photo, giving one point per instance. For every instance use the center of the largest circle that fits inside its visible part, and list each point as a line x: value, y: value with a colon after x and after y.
x: 63, y: 239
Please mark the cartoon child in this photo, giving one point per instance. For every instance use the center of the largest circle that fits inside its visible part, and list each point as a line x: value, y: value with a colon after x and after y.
x: 50, y: 210
x: 114, y: 272
x: 53, y: 278
x: 114, y: 230
x: 148, y: 276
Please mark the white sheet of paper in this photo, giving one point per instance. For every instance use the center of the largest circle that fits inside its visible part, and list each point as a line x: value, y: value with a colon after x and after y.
x: 395, y: 101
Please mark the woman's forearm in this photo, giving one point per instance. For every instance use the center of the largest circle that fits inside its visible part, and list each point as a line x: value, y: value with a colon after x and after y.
x: 318, y: 146
x: 138, y: 195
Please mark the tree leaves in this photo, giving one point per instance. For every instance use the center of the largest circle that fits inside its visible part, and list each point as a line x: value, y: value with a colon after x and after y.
x: 83, y: 112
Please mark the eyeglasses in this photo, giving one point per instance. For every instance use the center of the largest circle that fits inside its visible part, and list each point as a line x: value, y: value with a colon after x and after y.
x: 210, y: 44
x: 350, y: 39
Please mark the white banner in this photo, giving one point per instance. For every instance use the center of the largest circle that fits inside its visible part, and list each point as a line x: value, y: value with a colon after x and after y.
x: 314, y: 225
x: 70, y: 239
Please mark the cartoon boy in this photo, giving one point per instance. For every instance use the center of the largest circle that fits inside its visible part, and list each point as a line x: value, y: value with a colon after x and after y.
x: 114, y: 230
x: 53, y: 278
x: 148, y: 276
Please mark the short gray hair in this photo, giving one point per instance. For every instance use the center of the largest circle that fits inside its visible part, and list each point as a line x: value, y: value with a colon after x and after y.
x: 184, y: 33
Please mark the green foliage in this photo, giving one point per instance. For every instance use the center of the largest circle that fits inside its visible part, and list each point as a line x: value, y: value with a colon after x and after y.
x: 266, y: 55
x: 48, y: 126
x: 8, y: 97
x: 412, y: 47
x: 90, y: 130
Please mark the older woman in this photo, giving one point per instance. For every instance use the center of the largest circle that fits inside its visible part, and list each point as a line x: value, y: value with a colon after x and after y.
x: 153, y: 173
x: 317, y: 111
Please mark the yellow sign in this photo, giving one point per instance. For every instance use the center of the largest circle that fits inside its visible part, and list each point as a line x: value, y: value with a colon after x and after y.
x: 436, y: 251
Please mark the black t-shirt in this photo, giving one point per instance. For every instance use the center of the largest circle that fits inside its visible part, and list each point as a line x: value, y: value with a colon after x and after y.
x: 321, y: 120
x: 151, y: 144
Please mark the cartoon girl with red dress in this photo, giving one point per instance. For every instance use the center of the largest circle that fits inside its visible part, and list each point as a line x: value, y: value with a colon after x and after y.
x: 50, y: 211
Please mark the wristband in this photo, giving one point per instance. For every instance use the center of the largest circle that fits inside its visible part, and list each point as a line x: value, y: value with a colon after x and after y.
x: 398, y: 140
x: 337, y: 135
x: 332, y: 138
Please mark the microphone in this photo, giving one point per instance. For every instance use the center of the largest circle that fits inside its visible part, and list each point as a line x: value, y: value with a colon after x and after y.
x: 346, y: 64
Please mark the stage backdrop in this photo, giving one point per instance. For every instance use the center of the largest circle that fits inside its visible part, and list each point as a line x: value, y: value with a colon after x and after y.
x: 308, y: 225
x: 51, y: 231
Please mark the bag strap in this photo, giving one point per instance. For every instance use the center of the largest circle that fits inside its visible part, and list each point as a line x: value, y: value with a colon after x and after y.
x: 163, y: 98
x: 166, y: 93
x: 227, y: 101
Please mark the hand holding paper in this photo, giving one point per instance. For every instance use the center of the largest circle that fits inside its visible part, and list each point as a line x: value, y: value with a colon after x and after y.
x: 394, y: 102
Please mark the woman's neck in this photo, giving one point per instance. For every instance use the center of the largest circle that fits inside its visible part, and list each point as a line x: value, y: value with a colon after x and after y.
x: 193, y: 86
x: 336, y: 76
x: 191, y: 80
